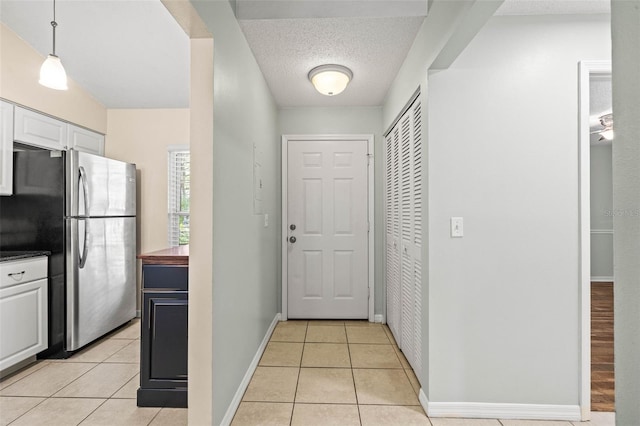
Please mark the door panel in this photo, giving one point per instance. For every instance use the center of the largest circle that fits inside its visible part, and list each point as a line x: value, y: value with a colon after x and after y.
x: 99, y: 186
x: 328, y: 205
x: 101, y: 283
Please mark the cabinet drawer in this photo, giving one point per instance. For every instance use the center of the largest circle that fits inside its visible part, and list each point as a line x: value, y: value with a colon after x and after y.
x: 165, y: 277
x: 22, y: 271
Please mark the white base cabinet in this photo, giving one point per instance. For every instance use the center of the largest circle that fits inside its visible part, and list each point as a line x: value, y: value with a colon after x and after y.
x: 23, y: 310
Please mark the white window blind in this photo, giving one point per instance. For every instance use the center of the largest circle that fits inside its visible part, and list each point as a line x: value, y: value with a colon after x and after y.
x: 178, y: 192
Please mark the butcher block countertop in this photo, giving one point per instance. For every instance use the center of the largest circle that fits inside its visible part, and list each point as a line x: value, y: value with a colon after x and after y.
x: 170, y: 256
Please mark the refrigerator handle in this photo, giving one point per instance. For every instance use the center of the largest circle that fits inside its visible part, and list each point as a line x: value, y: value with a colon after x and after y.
x: 85, y: 248
x: 85, y: 190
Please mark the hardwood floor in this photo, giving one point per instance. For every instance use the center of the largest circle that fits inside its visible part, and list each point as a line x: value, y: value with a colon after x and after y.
x: 602, y: 371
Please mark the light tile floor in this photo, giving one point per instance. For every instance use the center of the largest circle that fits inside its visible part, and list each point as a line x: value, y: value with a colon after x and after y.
x: 323, y: 373
x: 312, y: 373
x: 96, y: 386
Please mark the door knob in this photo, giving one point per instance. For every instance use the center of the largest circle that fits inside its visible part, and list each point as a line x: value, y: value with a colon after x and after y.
x: 292, y: 227
x: 292, y: 240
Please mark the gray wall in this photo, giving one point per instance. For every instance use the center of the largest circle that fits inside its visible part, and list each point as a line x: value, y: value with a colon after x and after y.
x: 503, y: 145
x: 501, y: 323
x: 625, y: 20
x: 245, y: 254
x: 347, y: 120
x: 601, y: 212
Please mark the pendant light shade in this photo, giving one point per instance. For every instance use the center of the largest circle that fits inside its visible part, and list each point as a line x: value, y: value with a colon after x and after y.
x: 52, y: 73
x: 330, y: 80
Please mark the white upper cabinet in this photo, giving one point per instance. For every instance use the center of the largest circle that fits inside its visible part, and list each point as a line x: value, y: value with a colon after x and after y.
x: 6, y: 148
x: 35, y: 129
x: 85, y: 140
x: 39, y: 130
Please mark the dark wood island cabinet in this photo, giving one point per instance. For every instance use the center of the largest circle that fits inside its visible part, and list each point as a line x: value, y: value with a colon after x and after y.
x: 164, y: 326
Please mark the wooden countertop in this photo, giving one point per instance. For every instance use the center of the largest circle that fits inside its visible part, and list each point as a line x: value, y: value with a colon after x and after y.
x: 170, y: 256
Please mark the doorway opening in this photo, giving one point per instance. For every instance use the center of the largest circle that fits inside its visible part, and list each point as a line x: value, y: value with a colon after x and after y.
x: 596, y: 222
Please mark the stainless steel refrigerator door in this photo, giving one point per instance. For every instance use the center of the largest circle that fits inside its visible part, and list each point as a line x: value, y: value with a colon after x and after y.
x: 99, y: 186
x: 101, y: 277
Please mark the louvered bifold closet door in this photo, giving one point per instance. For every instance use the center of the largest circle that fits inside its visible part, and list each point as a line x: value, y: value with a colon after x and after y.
x: 416, y: 168
x: 392, y: 226
x: 403, y: 193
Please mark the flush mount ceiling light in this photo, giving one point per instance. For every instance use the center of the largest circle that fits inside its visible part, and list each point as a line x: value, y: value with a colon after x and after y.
x: 52, y: 73
x: 330, y: 79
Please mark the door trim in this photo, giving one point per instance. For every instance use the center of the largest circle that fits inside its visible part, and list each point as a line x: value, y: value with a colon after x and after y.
x: 370, y: 208
x: 585, y: 70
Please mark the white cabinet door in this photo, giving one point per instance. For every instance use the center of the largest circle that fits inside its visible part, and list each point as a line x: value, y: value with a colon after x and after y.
x: 6, y: 148
x: 23, y: 310
x: 85, y: 140
x: 39, y: 130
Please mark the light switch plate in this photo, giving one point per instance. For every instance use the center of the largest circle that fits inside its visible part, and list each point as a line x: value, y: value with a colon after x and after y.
x: 457, y: 227
x: 266, y: 220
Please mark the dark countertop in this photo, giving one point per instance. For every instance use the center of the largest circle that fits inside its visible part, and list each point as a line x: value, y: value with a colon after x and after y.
x: 170, y: 256
x: 6, y: 256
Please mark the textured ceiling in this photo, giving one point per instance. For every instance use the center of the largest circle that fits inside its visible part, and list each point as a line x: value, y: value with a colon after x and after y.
x: 284, y: 9
x: 373, y: 48
x: 132, y: 53
x: 553, y: 7
x: 127, y: 54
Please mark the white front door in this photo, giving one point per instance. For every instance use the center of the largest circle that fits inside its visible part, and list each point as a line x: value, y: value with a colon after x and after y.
x: 327, y: 214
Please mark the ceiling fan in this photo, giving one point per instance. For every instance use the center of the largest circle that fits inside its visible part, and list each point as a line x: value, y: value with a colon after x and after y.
x: 606, y: 132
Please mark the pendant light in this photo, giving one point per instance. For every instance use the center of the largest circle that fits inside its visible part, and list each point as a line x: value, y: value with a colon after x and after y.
x: 330, y: 79
x: 52, y: 73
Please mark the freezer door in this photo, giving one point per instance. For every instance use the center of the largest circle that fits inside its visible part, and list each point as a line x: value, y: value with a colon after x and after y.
x: 101, y: 277
x: 99, y: 186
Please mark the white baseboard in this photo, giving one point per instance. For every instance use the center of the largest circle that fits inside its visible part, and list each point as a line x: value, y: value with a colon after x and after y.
x: 378, y: 318
x: 237, y: 398
x: 481, y: 410
x: 601, y: 279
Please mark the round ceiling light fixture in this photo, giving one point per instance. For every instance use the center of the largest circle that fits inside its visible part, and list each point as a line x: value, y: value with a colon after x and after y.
x: 330, y: 79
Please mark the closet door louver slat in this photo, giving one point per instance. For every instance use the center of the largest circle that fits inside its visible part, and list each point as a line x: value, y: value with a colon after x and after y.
x: 403, y: 228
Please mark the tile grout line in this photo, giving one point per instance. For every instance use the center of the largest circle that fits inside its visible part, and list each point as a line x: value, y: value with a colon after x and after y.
x: 29, y: 410
x: 93, y: 411
x: 15, y: 373
x: 295, y: 392
x: 353, y: 377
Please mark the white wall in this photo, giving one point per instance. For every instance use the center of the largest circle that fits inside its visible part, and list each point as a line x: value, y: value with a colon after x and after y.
x: 625, y: 21
x: 601, y: 212
x: 142, y: 136
x: 348, y: 120
x: 503, y: 153
x: 245, y: 254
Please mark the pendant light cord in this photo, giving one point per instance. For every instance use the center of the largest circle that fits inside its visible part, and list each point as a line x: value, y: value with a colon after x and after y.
x: 54, y: 24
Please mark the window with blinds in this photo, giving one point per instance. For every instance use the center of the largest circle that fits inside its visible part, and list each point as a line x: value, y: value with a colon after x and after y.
x: 178, y: 194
